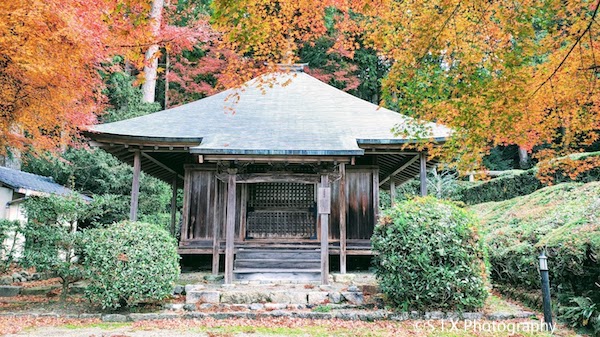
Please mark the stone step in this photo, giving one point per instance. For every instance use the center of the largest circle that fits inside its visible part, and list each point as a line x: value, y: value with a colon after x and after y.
x: 279, y: 254
x: 277, y: 263
x: 273, y: 274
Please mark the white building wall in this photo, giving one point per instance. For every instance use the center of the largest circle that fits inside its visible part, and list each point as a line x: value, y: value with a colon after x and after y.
x: 12, y: 211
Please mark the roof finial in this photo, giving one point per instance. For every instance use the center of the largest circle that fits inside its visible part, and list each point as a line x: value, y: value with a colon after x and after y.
x: 291, y: 67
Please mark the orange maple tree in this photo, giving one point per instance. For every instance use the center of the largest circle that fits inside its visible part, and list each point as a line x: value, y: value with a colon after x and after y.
x: 498, y: 73
x: 51, y: 51
x: 51, y: 55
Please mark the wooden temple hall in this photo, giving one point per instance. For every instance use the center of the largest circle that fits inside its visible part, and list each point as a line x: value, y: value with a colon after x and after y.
x: 275, y: 178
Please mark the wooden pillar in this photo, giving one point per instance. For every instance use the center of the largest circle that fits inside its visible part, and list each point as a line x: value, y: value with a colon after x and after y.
x: 324, y: 208
x: 376, y: 194
x: 230, y: 230
x: 392, y: 192
x: 423, y: 173
x: 217, y: 221
x: 342, y: 205
x: 174, y: 205
x: 135, y: 185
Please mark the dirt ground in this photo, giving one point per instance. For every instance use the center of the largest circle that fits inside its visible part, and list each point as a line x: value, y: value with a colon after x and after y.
x: 282, y: 327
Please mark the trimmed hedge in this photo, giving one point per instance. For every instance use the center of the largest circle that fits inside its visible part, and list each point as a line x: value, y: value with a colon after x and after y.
x: 563, y: 220
x: 430, y: 256
x: 503, y: 188
x: 129, y: 263
x: 519, y: 183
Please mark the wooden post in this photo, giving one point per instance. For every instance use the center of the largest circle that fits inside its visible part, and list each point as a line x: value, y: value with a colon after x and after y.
x: 423, y: 173
x: 376, y: 195
x: 135, y: 185
x: 342, y: 205
x: 392, y: 192
x: 230, y: 230
x: 324, y: 208
x: 216, y: 229
x: 174, y: 205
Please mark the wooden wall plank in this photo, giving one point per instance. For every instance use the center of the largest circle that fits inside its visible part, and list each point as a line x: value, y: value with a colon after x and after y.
x: 186, y: 206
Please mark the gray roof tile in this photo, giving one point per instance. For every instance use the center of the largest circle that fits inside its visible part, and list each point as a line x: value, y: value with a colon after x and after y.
x: 298, y: 114
x: 16, y: 180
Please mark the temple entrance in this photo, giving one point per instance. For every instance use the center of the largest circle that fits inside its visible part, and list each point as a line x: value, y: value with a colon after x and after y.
x: 281, y: 211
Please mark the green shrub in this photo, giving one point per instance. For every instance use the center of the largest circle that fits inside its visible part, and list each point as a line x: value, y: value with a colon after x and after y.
x: 582, y: 312
x: 129, y: 263
x: 430, y: 256
x: 503, y: 188
x: 518, y: 183
x: 52, y: 241
x: 563, y: 220
x: 9, y: 239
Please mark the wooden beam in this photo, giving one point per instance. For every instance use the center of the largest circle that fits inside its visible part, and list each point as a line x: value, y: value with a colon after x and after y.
x: 267, y: 159
x: 400, y: 169
x: 161, y: 165
x: 392, y: 193
x: 274, y: 177
x: 324, y: 210
x: 230, y: 230
x: 173, y: 205
x: 423, y: 173
x: 135, y: 186
x: 342, y: 206
x: 216, y: 243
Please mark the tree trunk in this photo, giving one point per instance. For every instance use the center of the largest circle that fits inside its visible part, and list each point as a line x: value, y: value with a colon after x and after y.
x: 523, y: 158
x: 151, y: 58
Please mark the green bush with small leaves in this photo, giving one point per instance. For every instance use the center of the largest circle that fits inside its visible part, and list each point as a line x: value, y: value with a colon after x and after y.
x: 52, y: 238
x: 129, y: 263
x: 9, y: 238
x: 430, y: 256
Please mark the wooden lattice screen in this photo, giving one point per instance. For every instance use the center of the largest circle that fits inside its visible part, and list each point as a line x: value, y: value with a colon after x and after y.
x: 281, y: 210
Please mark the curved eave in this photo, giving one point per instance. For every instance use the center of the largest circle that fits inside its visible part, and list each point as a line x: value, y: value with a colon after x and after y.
x: 392, y: 141
x: 104, y: 137
x: 279, y: 152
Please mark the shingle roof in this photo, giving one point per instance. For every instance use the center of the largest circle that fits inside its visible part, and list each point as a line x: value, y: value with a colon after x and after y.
x: 295, y: 115
x: 29, y: 182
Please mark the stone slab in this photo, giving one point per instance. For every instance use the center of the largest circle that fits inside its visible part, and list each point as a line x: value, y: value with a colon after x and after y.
x: 318, y: 297
x: 202, y: 296
x: 9, y: 291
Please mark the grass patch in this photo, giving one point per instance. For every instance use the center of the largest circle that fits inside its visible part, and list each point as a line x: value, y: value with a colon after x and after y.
x: 101, y: 325
x: 495, y: 303
x: 316, y: 331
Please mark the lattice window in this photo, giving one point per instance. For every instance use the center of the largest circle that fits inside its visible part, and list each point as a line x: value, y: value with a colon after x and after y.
x: 281, y: 195
x: 281, y: 210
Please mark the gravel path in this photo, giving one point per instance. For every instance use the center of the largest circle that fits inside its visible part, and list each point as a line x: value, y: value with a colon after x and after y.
x: 117, y: 332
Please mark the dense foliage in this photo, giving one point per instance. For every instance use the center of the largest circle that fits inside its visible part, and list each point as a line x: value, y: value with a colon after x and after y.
x: 507, y: 186
x: 563, y: 220
x: 97, y: 173
x: 430, y: 256
x: 9, y: 238
x: 52, y: 241
x: 129, y: 263
x: 580, y: 168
